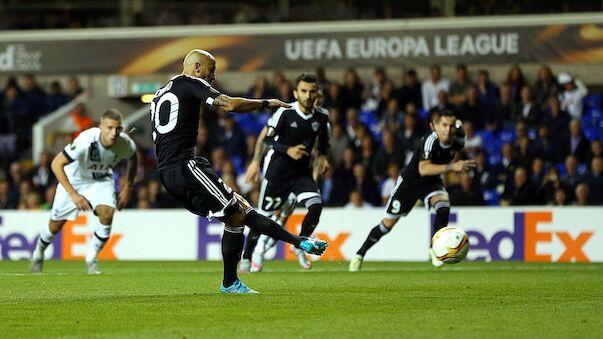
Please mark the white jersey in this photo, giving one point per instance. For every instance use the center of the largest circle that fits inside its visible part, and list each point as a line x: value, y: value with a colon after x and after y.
x: 91, y: 161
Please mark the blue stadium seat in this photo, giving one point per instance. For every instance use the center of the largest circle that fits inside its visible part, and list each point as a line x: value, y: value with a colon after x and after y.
x: 582, y: 168
x: 238, y: 164
x: 368, y: 118
x: 494, y: 158
x: 506, y: 136
x: 561, y: 168
x: 423, y: 114
x: 532, y: 133
x: 491, y: 197
x: 591, y: 133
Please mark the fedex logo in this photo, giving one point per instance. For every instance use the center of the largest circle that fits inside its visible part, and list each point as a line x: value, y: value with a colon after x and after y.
x: 529, y: 240
x: 69, y: 244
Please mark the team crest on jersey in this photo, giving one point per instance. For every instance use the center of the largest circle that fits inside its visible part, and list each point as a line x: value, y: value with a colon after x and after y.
x: 315, y: 126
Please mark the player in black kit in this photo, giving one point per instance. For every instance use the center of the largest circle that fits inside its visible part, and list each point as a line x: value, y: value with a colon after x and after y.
x: 192, y: 181
x: 422, y: 179
x: 292, y: 133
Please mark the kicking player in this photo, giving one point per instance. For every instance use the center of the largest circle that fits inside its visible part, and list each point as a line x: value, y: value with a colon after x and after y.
x: 192, y: 181
x: 292, y: 133
x: 84, y: 171
x: 422, y: 179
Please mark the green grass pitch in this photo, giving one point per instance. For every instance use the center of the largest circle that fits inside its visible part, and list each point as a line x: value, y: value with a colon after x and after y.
x: 386, y: 300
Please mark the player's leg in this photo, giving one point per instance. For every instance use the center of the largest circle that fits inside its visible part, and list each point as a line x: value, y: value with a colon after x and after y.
x: 102, y: 232
x: 63, y: 209
x: 44, y: 240
x: 439, y: 201
x: 399, y: 204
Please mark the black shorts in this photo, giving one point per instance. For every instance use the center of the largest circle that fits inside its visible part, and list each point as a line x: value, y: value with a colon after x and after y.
x: 198, y: 188
x: 274, y: 193
x: 405, y: 196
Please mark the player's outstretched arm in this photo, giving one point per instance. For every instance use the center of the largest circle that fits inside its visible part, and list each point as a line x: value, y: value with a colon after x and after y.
x: 229, y: 104
x: 126, y: 192
x: 427, y: 168
x: 57, y: 165
x: 253, y: 170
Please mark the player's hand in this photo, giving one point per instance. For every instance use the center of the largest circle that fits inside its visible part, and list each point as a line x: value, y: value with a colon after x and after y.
x: 276, y: 103
x: 123, y: 198
x: 463, y: 165
x: 242, y: 201
x: 297, y: 152
x: 323, y: 165
x: 81, y: 202
x: 253, y: 172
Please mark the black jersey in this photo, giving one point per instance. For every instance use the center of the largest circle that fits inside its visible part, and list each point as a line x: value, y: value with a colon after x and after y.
x: 175, y: 118
x: 429, y: 148
x: 291, y: 127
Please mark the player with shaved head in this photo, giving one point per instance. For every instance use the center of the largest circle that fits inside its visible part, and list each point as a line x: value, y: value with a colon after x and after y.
x: 191, y: 180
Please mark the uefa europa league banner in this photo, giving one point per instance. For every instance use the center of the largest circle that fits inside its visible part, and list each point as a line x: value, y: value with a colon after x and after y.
x: 139, y: 56
x: 539, y: 234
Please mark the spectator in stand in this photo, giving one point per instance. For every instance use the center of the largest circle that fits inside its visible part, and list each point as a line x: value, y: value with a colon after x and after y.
x: 459, y: 87
x: 409, y: 137
x: 48, y: 197
x: 81, y: 120
x: 466, y: 193
x: 285, y: 92
x: 441, y: 105
x: 521, y: 131
x: 558, y: 121
x: 552, y: 183
x: 74, y: 88
x: 515, y: 81
x: 42, y: 175
x: 232, y: 139
x: 546, y: 86
x: 332, y: 97
x: 595, y: 180
x: 410, y: 92
x: 577, y: 144
x: 522, y: 153
x: 487, y: 92
x: 353, y: 124
x: 339, y: 141
x: 526, y: 109
x: 521, y: 192
x: 218, y: 158
x: 351, y: 91
x: 393, y: 170
x: 56, y: 98
x: 560, y: 197
x: 326, y: 185
x: 31, y: 202
x: 344, y: 178
x: 365, y: 184
x: 572, y: 178
x: 472, y: 110
x: 386, y: 95
x: 388, y: 154
x: 503, y: 171
x: 582, y: 195
x: 500, y: 114
x: 25, y: 187
x: 356, y: 201
x: 323, y: 81
x: 431, y: 88
x: 15, y: 175
x: 543, y: 147
x: 367, y: 155
x: 35, y: 97
x: 375, y: 89
x: 392, y: 119
x: 572, y: 95
x: 18, y: 121
x: 537, y: 179
x: 8, y: 199
x: 596, y: 150
x: 481, y: 173
x: 204, y: 145
x: 474, y: 141
x: 260, y: 89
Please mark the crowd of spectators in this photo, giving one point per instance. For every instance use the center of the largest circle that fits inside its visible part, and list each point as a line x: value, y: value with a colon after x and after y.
x: 535, y: 141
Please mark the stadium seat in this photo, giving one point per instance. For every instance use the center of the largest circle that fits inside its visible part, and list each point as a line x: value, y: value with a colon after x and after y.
x: 591, y: 133
x: 561, y: 168
x: 238, y: 164
x: 506, y: 136
x: 582, y: 168
x: 491, y: 197
x: 592, y: 101
x: 494, y: 158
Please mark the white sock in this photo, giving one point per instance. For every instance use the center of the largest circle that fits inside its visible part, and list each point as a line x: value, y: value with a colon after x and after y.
x: 44, y: 240
x: 99, y: 239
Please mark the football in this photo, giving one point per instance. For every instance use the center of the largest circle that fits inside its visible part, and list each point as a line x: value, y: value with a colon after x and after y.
x: 450, y: 245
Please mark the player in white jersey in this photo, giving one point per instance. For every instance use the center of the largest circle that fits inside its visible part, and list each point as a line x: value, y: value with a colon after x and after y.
x: 84, y: 171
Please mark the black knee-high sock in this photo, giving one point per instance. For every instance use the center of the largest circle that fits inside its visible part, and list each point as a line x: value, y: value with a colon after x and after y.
x: 376, y: 233
x: 264, y: 225
x: 252, y: 240
x: 311, y: 219
x: 232, y: 246
x: 442, y: 209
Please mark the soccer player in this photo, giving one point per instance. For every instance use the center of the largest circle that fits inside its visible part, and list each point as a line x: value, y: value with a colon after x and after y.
x: 292, y: 133
x: 191, y: 181
x: 84, y: 171
x: 422, y: 179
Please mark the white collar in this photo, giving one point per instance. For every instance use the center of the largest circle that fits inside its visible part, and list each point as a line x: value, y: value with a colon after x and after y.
x: 300, y: 113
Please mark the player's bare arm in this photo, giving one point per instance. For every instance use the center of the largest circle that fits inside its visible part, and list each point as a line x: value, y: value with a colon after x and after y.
x: 322, y: 162
x: 57, y: 165
x: 229, y: 104
x: 125, y: 192
x: 426, y: 167
x: 253, y: 170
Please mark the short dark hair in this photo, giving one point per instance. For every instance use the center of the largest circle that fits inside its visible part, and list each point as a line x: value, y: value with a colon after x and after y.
x: 444, y: 113
x: 306, y: 77
x: 112, y: 114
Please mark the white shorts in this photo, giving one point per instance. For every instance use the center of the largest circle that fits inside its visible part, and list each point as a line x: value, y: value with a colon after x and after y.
x: 98, y: 193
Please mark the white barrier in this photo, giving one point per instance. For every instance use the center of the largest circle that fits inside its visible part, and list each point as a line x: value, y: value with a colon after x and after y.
x: 523, y: 234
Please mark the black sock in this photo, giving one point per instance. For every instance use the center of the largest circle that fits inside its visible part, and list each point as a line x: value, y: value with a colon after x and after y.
x: 232, y: 246
x: 252, y: 240
x: 376, y: 233
x: 264, y: 225
x: 441, y: 218
x: 307, y: 230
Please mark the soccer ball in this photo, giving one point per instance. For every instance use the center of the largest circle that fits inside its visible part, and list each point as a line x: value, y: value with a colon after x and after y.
x: 450, y: 245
